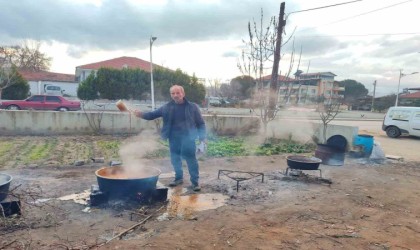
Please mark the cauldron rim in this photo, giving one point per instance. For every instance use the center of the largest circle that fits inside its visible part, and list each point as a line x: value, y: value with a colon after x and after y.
x: 8, y: 181
x: 158, y: 172
x: 312, y: 159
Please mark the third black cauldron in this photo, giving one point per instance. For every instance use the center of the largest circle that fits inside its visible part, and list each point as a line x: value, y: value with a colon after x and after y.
x: 303, y: 162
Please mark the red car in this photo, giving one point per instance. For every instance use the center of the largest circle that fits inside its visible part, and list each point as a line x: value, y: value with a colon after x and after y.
x: 41, y: 102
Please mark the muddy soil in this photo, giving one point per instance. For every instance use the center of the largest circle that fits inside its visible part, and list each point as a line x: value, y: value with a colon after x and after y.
x: 356, y: 206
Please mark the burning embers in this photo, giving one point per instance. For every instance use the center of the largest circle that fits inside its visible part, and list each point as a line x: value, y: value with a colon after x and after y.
x: 298, y: 163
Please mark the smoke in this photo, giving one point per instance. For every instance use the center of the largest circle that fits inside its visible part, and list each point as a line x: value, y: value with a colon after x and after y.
x: 132, y: 152
x: 297, y: 124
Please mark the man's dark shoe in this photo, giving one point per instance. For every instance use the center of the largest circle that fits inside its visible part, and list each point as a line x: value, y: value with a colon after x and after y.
x: 196, y: 188
x: 176, y: 183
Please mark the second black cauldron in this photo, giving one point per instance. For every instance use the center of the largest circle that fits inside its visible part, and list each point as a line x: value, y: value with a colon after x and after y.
x: 303, y: 162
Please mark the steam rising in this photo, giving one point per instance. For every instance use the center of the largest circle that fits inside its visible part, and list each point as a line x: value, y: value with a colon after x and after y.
x: 133, y: 151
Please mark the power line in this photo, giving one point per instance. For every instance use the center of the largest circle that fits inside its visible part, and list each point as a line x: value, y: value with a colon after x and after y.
x: 384, y: 34
x: 351, y: 17
x: 323, y: 7
x: 375, y: 10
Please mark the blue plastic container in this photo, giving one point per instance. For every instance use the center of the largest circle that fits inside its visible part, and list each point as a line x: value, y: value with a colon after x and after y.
x: 366, y: 141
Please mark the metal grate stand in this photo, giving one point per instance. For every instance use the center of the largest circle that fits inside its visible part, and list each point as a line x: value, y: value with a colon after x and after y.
x: 247, y: 176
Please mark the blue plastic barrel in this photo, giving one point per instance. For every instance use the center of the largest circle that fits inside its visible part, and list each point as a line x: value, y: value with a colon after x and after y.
x: 366, y: 141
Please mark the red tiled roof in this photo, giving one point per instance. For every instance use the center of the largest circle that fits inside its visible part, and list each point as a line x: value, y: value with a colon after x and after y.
x: 120, y: 63
x: 413, y: 95
x: 318, y: 73
x: 46, y: 76
x: 280, y: 78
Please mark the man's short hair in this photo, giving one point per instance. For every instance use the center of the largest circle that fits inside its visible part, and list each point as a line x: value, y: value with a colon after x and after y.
x: 177, y: 86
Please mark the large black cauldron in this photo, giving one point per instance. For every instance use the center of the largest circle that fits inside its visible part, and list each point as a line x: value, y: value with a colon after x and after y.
x: 5, y: 180
x: 303, y: 162
x: 117, y: 183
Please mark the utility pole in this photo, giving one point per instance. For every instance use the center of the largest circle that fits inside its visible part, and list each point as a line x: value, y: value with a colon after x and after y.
x: 275, y: 71
x: 152, y: 88
x: 373, y: 97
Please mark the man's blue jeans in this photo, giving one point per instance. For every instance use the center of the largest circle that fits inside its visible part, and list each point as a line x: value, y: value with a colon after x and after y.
x: 184, y: 147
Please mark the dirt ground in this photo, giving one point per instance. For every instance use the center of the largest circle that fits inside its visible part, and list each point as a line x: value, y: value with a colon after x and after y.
x: 367, y: 206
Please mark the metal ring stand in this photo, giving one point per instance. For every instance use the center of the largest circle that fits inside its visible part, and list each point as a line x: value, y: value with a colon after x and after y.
x: 239, y: 179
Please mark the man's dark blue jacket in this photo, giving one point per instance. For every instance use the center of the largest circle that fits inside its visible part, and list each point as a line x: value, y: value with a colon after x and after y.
x: 194, y: 121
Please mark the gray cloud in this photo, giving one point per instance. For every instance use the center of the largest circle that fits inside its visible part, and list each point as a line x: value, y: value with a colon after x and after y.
x: 396, y: 48
x: 125, y: 25
x: 314, y: 45
x: 116, y: 24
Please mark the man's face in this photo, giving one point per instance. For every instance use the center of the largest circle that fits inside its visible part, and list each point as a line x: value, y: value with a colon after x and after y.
x: 177, y: 95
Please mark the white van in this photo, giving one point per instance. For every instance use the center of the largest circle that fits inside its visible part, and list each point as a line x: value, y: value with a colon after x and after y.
x: 52, y: 90
x: 402, y: 120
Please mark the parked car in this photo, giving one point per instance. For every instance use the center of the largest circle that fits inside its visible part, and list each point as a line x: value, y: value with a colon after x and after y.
x: 42, y: 102
x: 402, y: 120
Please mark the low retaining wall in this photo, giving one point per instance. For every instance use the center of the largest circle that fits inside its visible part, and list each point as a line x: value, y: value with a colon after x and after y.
x: 26, y: 122
x: 305, y: 130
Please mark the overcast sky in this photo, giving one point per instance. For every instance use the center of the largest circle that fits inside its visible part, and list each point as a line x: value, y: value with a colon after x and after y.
x: 365, y: 40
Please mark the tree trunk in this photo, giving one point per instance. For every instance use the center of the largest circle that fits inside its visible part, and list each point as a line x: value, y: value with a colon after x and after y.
x: 274, y: 73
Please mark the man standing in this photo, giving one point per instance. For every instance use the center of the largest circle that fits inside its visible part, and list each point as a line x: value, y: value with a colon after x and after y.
x: 182, y: 124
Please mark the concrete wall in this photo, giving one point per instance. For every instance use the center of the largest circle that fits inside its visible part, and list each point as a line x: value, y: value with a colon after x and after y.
x: 26, y: 122
x: 303, y: 130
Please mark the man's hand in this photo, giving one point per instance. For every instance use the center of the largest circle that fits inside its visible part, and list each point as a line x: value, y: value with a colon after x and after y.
x: 202, y: 147
x: 137, y: 113
x: 204, y: 141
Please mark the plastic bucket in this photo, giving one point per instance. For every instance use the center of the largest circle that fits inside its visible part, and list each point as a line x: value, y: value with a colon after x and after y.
x: 366, y: 141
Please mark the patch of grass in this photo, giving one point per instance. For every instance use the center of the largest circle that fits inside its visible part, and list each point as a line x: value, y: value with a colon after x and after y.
x: 109, y: 149
x: 66, y: 150
x: 42, y: 151
x: 274, y: 146
x: 158, y: 153
x: 82, y: 151
x: 226, y: 146
x: 233, y: 146
x: 5, y: 147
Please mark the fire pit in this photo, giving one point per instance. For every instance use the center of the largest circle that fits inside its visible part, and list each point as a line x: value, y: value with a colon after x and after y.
x: 116, y: 182
x: 300, y: 162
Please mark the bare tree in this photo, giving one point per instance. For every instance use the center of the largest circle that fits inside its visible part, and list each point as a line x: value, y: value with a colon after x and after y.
x: 263, y: 45
x: 214, y: 89
x: 327, y: 112
x: 26, y: 56
x: 6, y: 70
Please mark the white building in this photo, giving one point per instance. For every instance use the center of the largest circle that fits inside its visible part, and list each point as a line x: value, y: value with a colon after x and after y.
x: 38, y: 82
